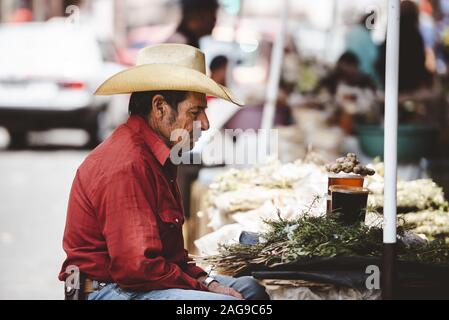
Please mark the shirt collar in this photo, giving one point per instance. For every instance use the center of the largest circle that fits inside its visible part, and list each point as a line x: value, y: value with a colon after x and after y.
x: 152, y: 140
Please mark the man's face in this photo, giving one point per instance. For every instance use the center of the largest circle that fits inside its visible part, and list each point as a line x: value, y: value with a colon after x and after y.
x: 191, y: 116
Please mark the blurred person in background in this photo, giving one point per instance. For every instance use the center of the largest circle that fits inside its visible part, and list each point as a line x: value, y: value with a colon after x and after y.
x: 359, y: 41
x: 351, y: 91
x: 218, y: 69
x: 21, y: 15
x: 347, y: 71
x: 413, y: 74
x: 125, y: 216
x: 198, y: 20
x: 428, y: 29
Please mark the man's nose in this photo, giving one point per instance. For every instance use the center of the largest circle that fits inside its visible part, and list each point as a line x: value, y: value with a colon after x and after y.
x: 204, y: 121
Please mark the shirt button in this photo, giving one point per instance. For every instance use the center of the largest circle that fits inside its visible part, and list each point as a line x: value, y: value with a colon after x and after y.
x: 177, y: 220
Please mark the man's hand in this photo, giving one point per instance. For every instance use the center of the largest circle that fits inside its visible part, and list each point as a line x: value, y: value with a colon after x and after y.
x: 216, y: 287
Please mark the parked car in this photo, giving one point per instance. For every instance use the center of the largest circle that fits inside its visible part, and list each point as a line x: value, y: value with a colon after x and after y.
x: 48, y: 74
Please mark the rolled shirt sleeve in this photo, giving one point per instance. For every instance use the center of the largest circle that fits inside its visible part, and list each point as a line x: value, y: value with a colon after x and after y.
x: 192, y: 269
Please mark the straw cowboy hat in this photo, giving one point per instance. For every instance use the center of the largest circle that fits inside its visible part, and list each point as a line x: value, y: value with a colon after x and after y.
x: 167, y: 67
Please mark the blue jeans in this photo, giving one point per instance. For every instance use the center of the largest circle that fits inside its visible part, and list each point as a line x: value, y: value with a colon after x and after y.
x: 247, y: 286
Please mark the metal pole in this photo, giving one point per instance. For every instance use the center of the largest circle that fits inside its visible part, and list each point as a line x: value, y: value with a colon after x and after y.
x: 275, y: 71
x: 329, y: 36
x: 390, y: 147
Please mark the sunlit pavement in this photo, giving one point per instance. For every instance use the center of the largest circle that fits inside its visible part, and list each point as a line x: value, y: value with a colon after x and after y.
x: 34, y: 188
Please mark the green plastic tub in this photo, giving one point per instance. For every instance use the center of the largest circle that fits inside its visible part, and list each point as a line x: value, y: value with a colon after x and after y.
x: 414, y: 141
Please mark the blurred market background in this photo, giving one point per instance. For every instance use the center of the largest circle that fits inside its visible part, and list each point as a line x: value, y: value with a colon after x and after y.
x: 54, y: 53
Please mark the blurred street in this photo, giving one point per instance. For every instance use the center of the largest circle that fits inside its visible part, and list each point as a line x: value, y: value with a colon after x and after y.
x: 34, y: 188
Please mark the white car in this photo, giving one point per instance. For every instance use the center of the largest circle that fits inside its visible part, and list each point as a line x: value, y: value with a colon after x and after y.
x: 48, y: 74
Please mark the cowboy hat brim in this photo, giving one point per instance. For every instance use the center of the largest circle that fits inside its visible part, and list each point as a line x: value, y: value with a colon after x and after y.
x: 159, y: 76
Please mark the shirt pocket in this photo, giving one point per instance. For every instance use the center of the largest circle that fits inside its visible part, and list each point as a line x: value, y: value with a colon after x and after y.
x: 170, y: 231
x: 172, y: 218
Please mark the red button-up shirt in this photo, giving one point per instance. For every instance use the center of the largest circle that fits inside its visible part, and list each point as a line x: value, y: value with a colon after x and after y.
x: 124, y: 218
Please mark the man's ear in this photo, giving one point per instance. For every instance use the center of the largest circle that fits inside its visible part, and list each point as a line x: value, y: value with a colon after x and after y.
x: 158, y: 106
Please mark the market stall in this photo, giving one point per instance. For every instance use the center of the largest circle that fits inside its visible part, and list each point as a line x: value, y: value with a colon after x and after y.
x: 285, y: 205
x: 278, y: 221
